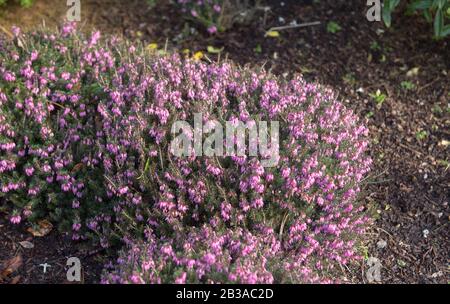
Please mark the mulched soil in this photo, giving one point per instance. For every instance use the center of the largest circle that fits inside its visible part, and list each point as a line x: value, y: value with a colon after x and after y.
x: 410, y: 184
x: 54, y: 249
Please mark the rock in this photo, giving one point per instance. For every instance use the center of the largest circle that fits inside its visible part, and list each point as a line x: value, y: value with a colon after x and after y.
x: 381, y: 244
x: 27, y: 245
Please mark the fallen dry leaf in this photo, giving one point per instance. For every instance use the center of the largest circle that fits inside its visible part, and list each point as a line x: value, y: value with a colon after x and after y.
x: 44, y: 228
x: 444, y: 143
x: 413, y: 72
x: 197, y: 56
x: 10, y: 266
x: 152, y: 46
x: 26, y: 245
x: 272, y: 34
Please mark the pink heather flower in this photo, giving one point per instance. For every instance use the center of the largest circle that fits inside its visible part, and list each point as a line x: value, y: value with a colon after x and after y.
x: 285, y: 172
x: 68, y: 29
x: 217, y: 8
x: 16, y: 219
x: 258, y: 203
x: 65, y: 75
x: 167, y: 250
x: 269, y: 177
x: 27, y: 213
x: 123, y: 190
x: 76, y: 226
x: 212, y: 29
x: 9, y: 77
x: 46, y: 168
x: 33, y: 191
x: 94, y: 38
x: 29, y: 171
x: 209, y: 258
x: 34, y: 56
x: 16, y: 31
x: 65, y: 187
x: 181, y: 279
x: 136, y: 279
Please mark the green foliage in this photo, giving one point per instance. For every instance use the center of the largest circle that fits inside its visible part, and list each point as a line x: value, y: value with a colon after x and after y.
x: 23, y: 3
x: 407, y: 85
x: 378, y: 97
x: 388, y: 7
x: 434, y: 11
x: 333, y: 27
x: 421, y: 135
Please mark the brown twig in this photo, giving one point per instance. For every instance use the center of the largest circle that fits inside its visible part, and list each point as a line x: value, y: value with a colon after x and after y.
x: 8, y: 33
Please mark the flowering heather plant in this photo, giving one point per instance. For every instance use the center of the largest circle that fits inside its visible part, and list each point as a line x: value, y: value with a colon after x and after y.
x: 48, y: 98
x: 216, y: 15
x: 200, y: 255
x: 85, y: 139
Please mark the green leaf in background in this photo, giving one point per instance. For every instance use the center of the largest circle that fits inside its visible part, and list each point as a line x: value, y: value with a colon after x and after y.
x: 439, y: 4
x: 23, y: 3
x: 333, y: 27
x: 388, y: 7
x: 438, y: 23
x: 434, y: 11
x: 387, y: 16
x: 445, y: 31
x: 26, y: 3
x: 428, y: 16
x: 420, y: 5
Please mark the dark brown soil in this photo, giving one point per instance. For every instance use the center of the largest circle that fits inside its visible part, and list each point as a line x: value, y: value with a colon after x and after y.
x: 410, y: 183
x: 54, y: 249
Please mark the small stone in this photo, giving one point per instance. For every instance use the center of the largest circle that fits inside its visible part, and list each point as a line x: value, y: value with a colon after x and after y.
x: 437, y: 274
x: 381, y: 244
x: 27, y: 245
x: 401, y: 263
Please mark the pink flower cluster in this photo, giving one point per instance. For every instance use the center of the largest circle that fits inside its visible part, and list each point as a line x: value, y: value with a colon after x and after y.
x: 199, y: 255
x: 85, y: 133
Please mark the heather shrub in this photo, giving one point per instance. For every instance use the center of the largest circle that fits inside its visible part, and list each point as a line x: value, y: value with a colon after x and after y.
x: 199, y: 255
x: 49, y: 167
x: 217, y: 15
x: 86, y: 133
x: 306, y: 204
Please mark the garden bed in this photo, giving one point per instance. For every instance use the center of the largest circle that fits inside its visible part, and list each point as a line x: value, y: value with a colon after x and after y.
x: 410, y: 182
